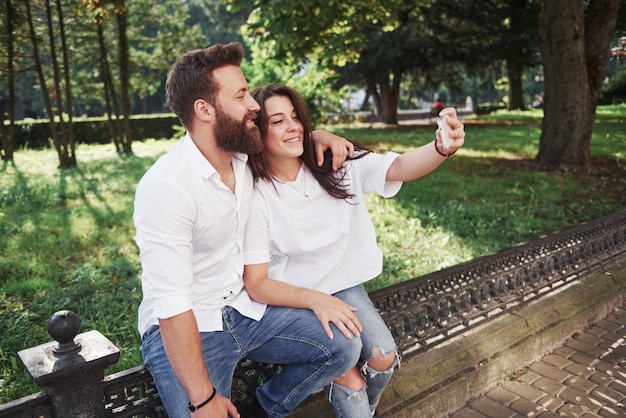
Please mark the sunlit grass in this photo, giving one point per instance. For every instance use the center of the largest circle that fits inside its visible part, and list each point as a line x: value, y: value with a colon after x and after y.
x: 67, y: 237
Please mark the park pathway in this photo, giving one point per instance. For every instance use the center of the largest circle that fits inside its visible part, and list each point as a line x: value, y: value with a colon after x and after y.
x: 585, y: 377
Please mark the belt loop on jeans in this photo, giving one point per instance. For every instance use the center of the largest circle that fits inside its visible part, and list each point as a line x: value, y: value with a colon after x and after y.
x: 151, y: 330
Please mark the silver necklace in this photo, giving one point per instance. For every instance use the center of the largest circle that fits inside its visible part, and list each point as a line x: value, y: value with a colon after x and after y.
x: 294, y: 184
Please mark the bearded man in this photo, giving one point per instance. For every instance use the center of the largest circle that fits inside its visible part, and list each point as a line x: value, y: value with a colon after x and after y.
x: 196, y: 319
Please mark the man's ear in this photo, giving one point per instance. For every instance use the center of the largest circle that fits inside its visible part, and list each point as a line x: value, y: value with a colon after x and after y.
x: 204, y: 110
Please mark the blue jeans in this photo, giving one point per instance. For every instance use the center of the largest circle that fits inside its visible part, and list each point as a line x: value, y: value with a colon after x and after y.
x: 375, y: 335
x: 291, y: 337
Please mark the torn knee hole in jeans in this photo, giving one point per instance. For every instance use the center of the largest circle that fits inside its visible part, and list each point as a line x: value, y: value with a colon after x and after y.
x: 352, y: 393
x: 352, y: 380
x: 380, y: 362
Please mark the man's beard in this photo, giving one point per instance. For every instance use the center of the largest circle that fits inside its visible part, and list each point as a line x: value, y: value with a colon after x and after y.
x: 233, y: 135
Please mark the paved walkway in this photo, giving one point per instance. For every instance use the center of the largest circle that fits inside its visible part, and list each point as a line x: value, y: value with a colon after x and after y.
x: 585, y: 377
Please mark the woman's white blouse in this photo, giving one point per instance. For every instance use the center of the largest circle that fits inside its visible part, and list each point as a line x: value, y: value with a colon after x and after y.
x: 311, y: 239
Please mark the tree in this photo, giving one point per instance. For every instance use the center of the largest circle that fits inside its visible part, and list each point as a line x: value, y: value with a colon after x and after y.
x: 114, y: 14
x: 64, y: 140
x: 158, y: 33
x: 7, y: 133
x: 111, y: 68
x: 486, y: 39
x: 96, y: 14
x: 574, y: 36
x: 65, y: 62
x: 366, y: 33
x: 380, y: 42
x: 518, y: 46
x: 121, y: 12
x: 12, y: 62
x: 142, y: 38
x: 218, y: 24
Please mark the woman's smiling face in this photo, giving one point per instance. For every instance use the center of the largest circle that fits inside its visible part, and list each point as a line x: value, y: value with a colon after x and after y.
x: 284, y: 136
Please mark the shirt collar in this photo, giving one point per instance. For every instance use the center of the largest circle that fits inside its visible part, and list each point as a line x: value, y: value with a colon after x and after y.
x: 204, y: 166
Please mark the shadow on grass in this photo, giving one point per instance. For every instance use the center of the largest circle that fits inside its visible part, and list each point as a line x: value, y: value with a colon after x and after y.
x: 492, y: 203
x: 67, y: 244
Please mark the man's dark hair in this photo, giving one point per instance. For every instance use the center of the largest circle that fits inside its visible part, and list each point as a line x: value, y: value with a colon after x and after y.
x: 191, y: 78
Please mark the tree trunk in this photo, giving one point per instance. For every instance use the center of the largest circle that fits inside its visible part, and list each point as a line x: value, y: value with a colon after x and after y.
x: 110, y: 96
x: 574, y: 48
x: 391, y: 101
x: 63, y: 143
x: 365, y: 105
x: 599, y: 27
x: 8, y: 132
x: 373, y: 93
x: 56, y: 80
x: 386, y: 93
x: 6, y: 154
x: 71, y: 137
x: 516, y: 91
x: 40, y: 75
x: 516, y: 60
x: 122, y: 23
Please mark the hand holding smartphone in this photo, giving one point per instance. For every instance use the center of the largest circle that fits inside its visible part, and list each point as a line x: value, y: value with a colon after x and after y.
x: 443, y: 132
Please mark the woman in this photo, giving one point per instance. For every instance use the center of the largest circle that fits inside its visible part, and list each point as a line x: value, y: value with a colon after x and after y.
x: 298, y: 255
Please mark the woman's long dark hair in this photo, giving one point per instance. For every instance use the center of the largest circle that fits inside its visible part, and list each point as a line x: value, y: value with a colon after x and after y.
x: 329, y: 180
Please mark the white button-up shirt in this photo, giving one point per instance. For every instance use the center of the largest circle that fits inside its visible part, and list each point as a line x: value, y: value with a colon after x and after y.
x: 311, y: 239
x: 190, y: 229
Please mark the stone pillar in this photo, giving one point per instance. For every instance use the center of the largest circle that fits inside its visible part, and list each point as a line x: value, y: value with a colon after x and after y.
x: 71, y: 368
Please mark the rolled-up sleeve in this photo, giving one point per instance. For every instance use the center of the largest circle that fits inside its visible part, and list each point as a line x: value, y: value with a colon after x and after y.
x: 164, y: 217
x: 372, y: 170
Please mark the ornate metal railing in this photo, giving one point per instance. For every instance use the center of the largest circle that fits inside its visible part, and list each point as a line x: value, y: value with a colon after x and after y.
x: 421, y: 313
x: 431, y: 309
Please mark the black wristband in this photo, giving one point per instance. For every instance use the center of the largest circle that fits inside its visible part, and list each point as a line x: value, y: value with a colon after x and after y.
x: 441, y: 153
x: 193, y: 408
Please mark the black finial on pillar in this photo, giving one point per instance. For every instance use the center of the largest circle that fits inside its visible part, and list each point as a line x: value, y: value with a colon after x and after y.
x: 63, y: 326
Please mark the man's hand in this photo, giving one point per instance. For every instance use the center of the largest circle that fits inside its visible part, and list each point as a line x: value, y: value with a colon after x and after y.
x: 188, y: 363
x: 340, y: 147
x: 219, y: 407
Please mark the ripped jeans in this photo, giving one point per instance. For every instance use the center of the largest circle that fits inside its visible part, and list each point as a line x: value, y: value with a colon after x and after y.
x: 288, y: 336
x: 375, y: 336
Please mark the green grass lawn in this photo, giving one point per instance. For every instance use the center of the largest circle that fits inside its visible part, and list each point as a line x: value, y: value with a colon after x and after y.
x: 67, y: 236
